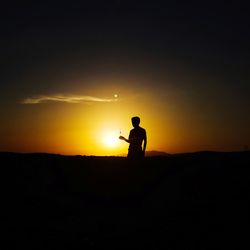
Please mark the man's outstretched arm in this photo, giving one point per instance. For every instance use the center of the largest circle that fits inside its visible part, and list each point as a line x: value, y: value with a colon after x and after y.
x: 124, y: 139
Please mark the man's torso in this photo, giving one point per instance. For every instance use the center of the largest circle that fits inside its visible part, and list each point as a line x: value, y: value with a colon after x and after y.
x: 137, y: 135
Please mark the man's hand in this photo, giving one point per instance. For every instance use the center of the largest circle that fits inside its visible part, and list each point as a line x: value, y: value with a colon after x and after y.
x: 122, y: 138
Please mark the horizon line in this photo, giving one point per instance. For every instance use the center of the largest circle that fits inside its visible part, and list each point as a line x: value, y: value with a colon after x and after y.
x: 161, y: 153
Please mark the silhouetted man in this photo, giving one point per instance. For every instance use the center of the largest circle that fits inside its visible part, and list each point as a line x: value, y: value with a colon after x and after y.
x: 137, y: 136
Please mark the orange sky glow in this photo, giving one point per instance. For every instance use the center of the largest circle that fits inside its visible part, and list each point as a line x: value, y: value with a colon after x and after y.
x: 92, y: 127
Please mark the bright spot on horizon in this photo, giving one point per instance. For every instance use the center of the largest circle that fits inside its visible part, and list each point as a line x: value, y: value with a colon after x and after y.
x: 110, y: 139
x: 115, y: 96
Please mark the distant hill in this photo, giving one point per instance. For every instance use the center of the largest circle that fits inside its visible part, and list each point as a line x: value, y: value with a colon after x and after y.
x: 156, y: 153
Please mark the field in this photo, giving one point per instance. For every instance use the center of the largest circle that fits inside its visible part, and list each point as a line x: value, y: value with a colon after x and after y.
x: 184, y: 201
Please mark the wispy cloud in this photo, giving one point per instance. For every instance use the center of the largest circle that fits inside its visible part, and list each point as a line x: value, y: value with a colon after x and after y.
x: 66, y: 99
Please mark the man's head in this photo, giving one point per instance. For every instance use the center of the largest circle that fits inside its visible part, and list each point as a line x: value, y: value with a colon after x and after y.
x: 135, y: 121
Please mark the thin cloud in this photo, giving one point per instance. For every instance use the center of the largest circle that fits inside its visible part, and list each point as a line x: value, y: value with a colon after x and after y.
x: 65, y: 99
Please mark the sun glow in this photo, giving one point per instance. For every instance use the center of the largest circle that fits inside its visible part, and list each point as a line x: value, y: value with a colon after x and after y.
x: 110, y: 139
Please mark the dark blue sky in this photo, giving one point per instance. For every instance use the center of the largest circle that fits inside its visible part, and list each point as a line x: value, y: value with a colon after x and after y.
x: 205, y: 36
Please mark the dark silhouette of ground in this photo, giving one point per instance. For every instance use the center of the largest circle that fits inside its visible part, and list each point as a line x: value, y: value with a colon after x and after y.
x: 186, y: 201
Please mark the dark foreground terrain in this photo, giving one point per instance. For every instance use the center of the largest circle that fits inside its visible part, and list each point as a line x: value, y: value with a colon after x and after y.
x: 189, y: 201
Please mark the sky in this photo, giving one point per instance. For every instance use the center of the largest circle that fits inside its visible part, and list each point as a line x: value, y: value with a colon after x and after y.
x: 73, y: 74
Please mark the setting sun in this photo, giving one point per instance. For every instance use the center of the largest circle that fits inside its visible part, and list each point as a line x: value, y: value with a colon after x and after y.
x: 110, y: 139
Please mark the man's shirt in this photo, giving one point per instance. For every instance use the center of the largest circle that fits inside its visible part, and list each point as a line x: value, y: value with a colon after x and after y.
x: 136, y: 136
